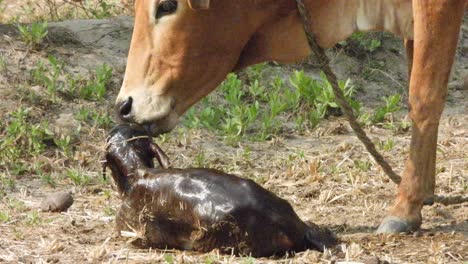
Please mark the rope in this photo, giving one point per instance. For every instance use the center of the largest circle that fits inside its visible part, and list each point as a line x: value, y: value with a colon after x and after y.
x: 324, y: 63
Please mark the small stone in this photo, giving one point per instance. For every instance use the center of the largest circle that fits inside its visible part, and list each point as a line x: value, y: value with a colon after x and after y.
x: 57, y: 202
x: 38, y: 90
x: 418, y: 233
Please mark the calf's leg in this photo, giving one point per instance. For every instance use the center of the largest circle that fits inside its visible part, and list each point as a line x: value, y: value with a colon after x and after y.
x: 437, y: 24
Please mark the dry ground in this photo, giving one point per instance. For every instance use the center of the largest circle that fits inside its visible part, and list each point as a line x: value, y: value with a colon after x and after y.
x: 324, y: 173
x: 33, y: 10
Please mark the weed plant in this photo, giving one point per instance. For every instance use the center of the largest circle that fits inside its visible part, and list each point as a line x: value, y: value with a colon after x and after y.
x: 21, y: 139
x: 33, y: 35
x: 62, y: 85
x: 261, y: 111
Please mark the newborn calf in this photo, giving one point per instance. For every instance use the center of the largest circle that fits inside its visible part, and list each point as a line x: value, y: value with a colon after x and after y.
x: 201, y: 209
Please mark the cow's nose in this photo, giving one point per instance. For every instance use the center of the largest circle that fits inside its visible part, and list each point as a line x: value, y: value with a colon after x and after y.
x: 124, y: 108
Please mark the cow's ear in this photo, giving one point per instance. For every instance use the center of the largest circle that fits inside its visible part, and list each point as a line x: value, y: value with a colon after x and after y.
x: 199, y: 4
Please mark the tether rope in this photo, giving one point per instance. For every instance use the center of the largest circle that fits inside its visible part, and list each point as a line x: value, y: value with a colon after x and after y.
x: 324, y: 63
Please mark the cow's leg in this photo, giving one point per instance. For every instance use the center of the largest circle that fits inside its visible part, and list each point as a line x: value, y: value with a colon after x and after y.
x: 437, y: 25
x: 409, y: 45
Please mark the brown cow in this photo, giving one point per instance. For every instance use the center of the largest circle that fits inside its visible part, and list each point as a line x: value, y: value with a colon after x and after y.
x: 182, y: 49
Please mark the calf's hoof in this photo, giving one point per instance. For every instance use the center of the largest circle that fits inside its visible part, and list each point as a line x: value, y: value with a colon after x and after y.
x: 396, y: 225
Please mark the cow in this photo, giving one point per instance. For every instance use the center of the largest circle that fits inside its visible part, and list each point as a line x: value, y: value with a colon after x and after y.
x: 201, y: 209
x: 181, y: 50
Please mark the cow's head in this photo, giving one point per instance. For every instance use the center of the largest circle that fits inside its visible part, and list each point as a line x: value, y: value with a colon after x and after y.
x: 181, y: 50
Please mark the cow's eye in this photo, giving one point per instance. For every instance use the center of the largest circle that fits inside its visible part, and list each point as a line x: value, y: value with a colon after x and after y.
x: 166, y: 8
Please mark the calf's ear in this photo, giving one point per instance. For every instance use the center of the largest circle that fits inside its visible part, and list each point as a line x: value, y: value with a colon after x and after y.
x: 199, y: 4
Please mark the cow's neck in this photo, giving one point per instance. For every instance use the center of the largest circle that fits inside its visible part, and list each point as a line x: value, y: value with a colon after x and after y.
x: 334, y: 21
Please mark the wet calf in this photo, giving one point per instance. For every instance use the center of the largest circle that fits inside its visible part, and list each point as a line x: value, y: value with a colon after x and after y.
x: 201, y: 209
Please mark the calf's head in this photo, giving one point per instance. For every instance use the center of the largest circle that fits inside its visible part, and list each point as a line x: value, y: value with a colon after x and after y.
x: 129, y: 150
x: 183, y: 49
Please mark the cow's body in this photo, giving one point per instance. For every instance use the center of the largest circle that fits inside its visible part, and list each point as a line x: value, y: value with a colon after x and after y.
x: 286, y: 40
x: 178, y: 58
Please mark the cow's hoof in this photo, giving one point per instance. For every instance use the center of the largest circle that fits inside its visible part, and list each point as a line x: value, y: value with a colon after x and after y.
x: 395, y: 225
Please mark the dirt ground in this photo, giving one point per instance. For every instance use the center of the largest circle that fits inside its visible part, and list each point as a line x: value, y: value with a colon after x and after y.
x: 315, y: 171
x: 25, y: 11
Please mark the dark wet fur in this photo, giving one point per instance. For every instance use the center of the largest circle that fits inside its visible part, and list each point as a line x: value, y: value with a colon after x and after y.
x: 130, y: 149
x: 202, y: 209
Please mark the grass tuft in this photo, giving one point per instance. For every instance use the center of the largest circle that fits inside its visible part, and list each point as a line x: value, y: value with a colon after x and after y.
x: 33, y: 35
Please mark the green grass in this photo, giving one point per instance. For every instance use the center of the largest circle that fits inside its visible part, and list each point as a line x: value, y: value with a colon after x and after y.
x: 47, y: 76
x: 78, y: 177
x: 33, y: 35
x: 33, y: 218
x: 391, y: 104
x: 366, y: 41
x: 28, y: 144
x: 4, y: 217
x: 6, y: 183
x: 363, y: 43
x: 63, y: 142
x: 100, y: 10
x: 94, y: 117
x: 3, y: 63
x: 363, y: 165
x: 260, y: 111
x: 60, y: 85
x: 210, y: 259
x: 249, y: 260
x: 386, y: 145
x: 22, y: 138
x: 169, y: 258
x: 48, y: 179
x: 200, y: 159
x: 96, y: 87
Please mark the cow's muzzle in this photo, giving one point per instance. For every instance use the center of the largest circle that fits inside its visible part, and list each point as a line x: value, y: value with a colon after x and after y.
x: 154, y: 112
